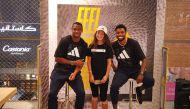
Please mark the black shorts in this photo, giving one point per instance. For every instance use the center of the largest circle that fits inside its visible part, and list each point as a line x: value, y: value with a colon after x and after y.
x: 102, y: 88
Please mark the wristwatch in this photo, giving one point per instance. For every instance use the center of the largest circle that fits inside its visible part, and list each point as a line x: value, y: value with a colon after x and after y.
x: 72, y: 62
x: 141, y: 73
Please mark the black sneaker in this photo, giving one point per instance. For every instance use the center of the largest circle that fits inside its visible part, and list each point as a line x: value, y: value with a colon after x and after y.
x: 139, y: 95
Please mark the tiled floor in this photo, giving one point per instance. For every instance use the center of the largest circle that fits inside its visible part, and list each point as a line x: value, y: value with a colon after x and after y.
x: 170, y: 105
x: 34, y: 105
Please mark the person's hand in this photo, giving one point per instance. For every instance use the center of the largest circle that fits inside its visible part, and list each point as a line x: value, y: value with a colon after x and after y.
x: 140, y: 78
x: 72, y: 76
x: 91, y: 79
x: 104, y: 79
x: 79, y: 62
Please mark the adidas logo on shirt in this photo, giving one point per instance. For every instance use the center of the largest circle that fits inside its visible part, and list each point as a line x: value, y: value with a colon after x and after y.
x: 123, y: 55
x: 74, y: 52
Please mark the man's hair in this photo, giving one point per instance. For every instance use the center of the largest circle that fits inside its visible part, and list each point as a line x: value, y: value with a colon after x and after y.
x: 78, y: 23
x: 121, y: 26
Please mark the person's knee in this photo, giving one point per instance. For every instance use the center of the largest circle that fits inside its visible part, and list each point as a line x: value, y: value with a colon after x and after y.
x: 149, y: 82
x: 52, y: 95
x: 114, y: 87
x: 94, y: 98
x: 103, y: 98
x: 105, y: 102
x: 94, y: 95
x: 80, y: 93
x: 152, y: 82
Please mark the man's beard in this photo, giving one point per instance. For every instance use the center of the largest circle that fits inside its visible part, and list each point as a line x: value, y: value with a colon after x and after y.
x: 76, y: 35
x: 120, y: 39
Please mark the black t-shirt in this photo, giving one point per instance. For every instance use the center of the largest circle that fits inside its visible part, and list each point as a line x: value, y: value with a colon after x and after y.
x: 128, y: 56
x: 70, y: 50
x: 99, y: 56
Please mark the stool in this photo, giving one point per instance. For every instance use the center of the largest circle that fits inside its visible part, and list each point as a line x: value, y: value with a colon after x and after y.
x: 130, y: 92
x: 131, y: 80
x: 67, y: 102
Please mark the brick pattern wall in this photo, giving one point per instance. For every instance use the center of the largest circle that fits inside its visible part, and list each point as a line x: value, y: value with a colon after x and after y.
x: 44, y: 57
x: 177, y: 34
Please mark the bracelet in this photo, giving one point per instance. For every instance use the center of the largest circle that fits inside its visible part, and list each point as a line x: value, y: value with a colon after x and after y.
x: 89, y: 71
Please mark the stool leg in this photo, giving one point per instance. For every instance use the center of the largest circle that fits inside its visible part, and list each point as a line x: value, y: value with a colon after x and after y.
x: 66, y: 96
x: 130, y: 94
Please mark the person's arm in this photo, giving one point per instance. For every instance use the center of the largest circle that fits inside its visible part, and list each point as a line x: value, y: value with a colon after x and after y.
x: 140, y: 77
x: 91, y: 77
x: 78, y: 63
x: 109, y: 64
x: 69, y: 62
x: 143, y: 66
x: 114, y: 67
x: 140, y: 55
x: 73, y: 75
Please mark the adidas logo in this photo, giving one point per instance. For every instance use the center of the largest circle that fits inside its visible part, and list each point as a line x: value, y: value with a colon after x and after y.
x: 74, y: 52
x: 123, y: 55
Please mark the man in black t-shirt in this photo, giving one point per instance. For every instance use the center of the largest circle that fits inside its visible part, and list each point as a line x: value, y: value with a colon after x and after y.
x: 129, y: 55
x: 69, y: 57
